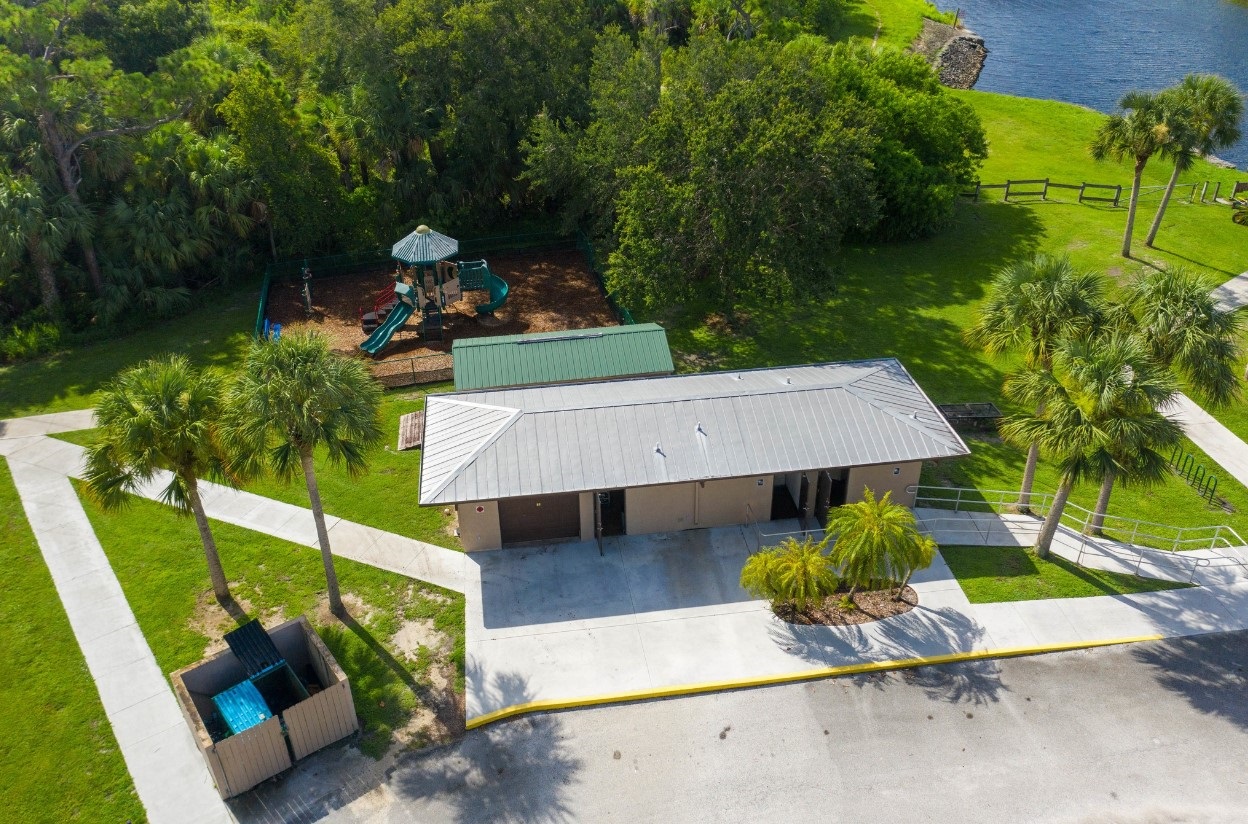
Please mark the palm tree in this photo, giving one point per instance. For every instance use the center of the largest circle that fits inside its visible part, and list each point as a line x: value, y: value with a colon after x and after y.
x: 292, y: 396
x: 876, y: 541
x: 162, y: 415
x: 1100, y: 416
x: 791, y: 573
x: 1129, y: 384
x: 1185, y: 331
x: 1142, y: 131
x: 1211, y: 109
x: 1031, y: 306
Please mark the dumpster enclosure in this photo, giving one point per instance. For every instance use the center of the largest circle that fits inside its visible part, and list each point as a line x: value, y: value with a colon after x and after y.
x: 271, y: 699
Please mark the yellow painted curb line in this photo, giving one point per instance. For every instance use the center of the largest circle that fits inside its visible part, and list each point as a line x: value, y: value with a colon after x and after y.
x: 791, y: 677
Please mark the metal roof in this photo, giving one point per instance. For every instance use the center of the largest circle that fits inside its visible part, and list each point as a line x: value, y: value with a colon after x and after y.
x: 559, y: 357
x: 504, y: 443
x: 424, y: 246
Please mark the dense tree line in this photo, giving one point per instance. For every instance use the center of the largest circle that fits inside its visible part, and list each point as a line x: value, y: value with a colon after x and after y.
x: 150, y: 147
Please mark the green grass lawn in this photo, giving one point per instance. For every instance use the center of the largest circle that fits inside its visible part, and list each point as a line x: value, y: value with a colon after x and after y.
x: 59, y: 760
x: 898, y: 21
x: 386, y: 496
x: 912, y: 300
x: 994, y: 574
x: 166, y: 582
x: 215, y: 333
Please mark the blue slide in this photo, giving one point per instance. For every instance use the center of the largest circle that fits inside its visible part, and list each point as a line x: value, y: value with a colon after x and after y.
x: 382, y: 334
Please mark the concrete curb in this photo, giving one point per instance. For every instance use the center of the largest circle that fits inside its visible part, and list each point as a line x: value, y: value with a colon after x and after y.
x: 791, y: 677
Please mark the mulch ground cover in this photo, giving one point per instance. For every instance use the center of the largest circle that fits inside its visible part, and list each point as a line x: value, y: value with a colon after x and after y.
x: 869, y: 606
x: 549, y: 291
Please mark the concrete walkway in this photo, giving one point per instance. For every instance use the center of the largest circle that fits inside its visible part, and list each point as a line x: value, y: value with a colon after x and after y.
x: 1233, y: 294
x: 1218, y: 442
x: 385, y: 550
x: 169, y: 774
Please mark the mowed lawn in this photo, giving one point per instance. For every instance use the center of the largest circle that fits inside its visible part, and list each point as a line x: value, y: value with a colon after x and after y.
x: 993, y: 574
x: 59, y: 759
x: 165, y: 579
x: 913, y: 300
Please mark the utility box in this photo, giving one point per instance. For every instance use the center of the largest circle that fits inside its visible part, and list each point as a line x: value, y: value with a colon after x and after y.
x: 308, y: 703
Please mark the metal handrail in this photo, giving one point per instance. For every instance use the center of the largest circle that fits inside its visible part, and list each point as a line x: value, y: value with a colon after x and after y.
x: 1076, y: 516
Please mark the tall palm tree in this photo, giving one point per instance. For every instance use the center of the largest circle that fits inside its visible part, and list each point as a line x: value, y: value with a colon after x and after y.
x: 1129, y: 385
x: 877, y: 540
x: 1142, y: 130
x: 1211, y: 108
x: 162, y: 415
x: 1100, y: 416
x: 1184, y: 330
x: 1032, y: 305
x: 292, y: 396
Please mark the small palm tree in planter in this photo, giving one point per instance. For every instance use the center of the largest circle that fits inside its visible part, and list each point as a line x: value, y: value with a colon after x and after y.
x: 795, y: 574
x: 877, y: 543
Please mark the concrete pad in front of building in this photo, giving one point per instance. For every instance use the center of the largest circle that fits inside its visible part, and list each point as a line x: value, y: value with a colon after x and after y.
x: 569, y: 621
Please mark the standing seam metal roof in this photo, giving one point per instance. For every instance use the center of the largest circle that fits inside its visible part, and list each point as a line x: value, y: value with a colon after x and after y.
x: 539, y: 440
x: 553, y: 357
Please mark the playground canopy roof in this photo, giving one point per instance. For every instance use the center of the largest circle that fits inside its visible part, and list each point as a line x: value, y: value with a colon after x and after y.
x: 560, y: 357
x: 424, y: 246
x: 547, y: 440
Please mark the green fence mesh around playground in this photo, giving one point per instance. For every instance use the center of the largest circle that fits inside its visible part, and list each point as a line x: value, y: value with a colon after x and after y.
x: 399, y: 372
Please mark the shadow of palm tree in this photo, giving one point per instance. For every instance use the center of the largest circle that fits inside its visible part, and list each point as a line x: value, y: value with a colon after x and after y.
x: 1207, y: 670
x: 512, y: 771
x: 920, y: 633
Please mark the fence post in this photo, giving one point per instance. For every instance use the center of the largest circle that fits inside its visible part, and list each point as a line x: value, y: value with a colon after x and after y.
x: 1044, y: 193
x: 977, y: 185
x: 1216, y: 191
x: 1117, y: 195
x: 1204, y: 189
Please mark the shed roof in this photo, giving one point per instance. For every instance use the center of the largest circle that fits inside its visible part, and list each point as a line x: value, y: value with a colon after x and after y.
x: 538, y: 440
x: 560, y: 357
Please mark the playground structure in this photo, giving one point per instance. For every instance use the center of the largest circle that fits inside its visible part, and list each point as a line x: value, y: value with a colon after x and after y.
x: 552, y: 282
x: 436, y: 284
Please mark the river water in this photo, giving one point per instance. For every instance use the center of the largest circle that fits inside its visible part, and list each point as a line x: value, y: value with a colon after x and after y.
x: 1093, y: 51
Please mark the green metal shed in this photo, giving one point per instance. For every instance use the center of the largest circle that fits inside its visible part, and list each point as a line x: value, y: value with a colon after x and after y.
x: 561, y: 357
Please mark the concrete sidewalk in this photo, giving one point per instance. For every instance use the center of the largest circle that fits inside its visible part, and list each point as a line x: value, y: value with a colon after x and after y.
x: 650, y: 614
x: 396, y: 553
x: 1233, y: 294
x: 169, y: 774
x: 1218, y: 442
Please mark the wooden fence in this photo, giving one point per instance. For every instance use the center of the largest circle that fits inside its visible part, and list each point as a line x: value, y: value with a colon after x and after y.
x: 241, y: 761
x: 1106, y: 192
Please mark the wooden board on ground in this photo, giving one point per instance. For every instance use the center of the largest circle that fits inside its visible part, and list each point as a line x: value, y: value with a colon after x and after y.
x: 411, y: 430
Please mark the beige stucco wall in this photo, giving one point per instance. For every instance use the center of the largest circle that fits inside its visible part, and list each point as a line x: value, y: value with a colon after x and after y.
x: 479, y: 530
x: 664, y: 508
x: 880, y: 479
x: 587, y: 516
x: 673, y: 507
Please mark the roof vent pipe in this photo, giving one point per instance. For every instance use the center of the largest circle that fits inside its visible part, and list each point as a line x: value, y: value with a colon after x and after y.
x: 698, y: 430
x: 658, y: 449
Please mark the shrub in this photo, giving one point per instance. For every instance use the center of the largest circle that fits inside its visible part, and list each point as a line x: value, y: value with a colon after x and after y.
x: 792, y: 573
x: 18, y: 344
